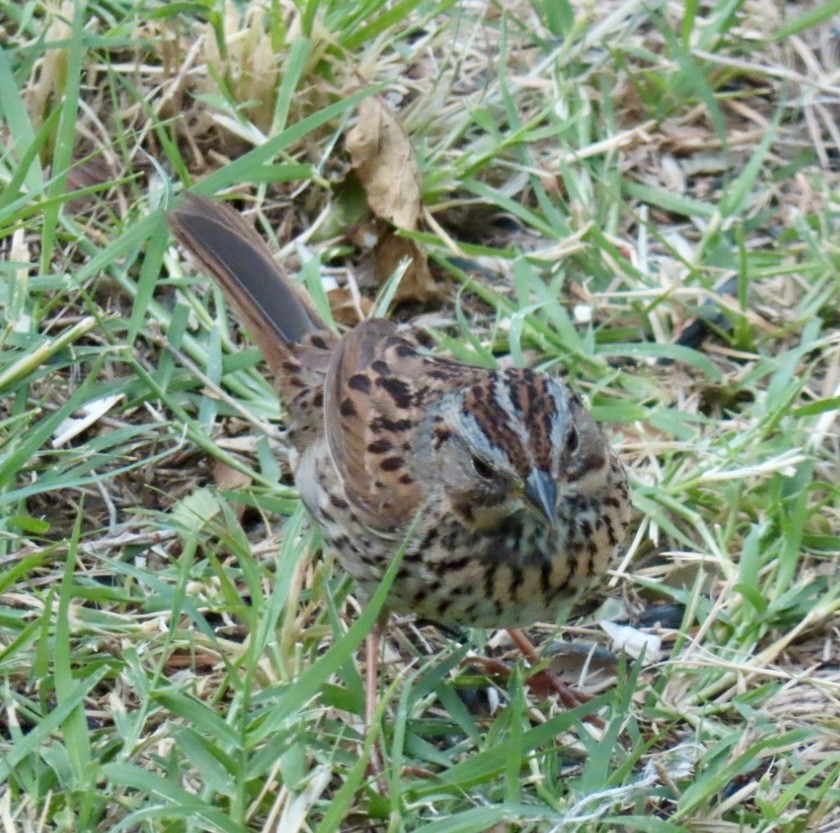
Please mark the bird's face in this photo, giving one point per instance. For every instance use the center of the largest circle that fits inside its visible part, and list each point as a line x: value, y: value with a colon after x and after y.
x: 516, y: 443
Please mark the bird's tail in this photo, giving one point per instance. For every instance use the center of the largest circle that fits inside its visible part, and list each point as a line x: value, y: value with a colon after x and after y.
x: 277, y: 315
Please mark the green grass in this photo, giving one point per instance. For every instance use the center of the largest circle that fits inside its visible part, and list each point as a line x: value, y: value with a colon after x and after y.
x: 175, y: 651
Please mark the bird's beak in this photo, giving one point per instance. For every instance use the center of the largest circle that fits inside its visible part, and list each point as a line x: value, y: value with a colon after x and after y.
x: 541, y: 493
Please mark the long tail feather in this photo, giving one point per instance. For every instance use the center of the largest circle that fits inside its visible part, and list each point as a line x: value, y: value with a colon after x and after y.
x: 232, y: 252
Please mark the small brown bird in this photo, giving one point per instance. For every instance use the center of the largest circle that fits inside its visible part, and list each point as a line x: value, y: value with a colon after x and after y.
x: 517, y: 502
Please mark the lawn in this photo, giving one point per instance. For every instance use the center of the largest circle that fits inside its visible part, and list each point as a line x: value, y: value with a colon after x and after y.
x: 641, y: 198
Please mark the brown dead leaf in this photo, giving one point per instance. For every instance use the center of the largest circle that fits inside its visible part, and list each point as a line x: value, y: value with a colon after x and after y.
x: 346, y: 307
x: 387, y: 168
x: 385, y: 164
x: 86, y: 174
x: 417, y: 283
x: 228, y: 478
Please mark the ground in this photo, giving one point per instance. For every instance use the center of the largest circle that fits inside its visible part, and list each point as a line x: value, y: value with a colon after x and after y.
x: 640, y: 198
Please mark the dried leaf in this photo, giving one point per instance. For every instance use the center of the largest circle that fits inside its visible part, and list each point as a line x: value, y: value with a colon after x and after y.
x: 229, y: 478
x: 589, y: 668
x: 385, y: 164
x: 387, y: 169
x: 417, y: 283
x: 346, y: 307
x: 86, y: 174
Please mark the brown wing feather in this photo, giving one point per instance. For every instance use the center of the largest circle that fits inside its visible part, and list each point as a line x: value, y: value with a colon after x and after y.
x: 377, y: 383
x: 368, y: 428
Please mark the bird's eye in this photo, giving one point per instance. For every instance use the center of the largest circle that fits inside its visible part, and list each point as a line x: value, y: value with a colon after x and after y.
x: 481, y: 468
x: 572, y: 440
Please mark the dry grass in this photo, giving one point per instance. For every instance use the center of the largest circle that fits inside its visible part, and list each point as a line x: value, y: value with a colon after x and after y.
x: 641, y: 197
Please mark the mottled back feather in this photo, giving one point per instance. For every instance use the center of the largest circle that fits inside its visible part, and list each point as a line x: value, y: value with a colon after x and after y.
x: 374, y: 380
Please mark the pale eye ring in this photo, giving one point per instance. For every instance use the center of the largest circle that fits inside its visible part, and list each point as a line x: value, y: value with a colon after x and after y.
x: 481, y: 468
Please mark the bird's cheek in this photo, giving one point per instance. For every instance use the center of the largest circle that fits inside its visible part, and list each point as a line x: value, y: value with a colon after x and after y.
x: 481, y: 513
x: 584, y: 481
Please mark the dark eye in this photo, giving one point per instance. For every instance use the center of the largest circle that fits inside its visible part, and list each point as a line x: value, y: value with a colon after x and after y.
x: 572, y: 440
x: 481, y: 468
